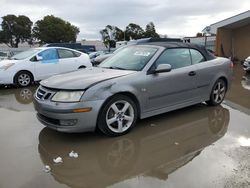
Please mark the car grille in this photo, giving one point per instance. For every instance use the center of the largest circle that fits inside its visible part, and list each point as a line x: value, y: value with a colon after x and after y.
x: 44, y: 93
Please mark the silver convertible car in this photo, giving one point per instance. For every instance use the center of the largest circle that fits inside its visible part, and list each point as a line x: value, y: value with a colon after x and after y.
x: 138, y: 82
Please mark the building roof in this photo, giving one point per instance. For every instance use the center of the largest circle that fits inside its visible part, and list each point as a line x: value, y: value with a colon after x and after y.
x: 236, y: 21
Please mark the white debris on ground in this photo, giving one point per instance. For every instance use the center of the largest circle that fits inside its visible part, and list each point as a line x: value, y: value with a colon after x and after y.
x: 245, y: 142
x: 58, y: 160
x: 73, y: 154
x: 47, y: 168
x: 152, y: 125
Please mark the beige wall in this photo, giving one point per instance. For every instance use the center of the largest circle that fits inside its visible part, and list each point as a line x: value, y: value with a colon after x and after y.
x: 241, y: 42
x: 235, y: 42
x: 224, y: 40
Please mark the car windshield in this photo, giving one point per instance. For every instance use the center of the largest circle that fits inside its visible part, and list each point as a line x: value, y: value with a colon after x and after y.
x: 25, y: 54
x: 130, y: 58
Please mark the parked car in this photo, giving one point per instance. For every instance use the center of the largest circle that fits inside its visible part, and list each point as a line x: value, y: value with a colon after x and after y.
x: 4, y: 55
x: 97, y: 60
x: 40, y: 63
x: 246, y: 64
x: 138, y: 82
x: 94, y: 55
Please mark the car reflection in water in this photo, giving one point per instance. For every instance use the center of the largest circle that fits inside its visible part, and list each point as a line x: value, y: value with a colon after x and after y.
x: 245, y: 82
x: 157, y: 147
x: 17, y: 99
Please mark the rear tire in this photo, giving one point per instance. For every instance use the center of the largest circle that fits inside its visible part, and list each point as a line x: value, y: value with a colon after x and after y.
x: 218, y: 93
x: 23, y: 78
x: 118, y: 116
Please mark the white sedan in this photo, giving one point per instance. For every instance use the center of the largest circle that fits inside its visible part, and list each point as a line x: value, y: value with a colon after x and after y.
x: 40, y: 63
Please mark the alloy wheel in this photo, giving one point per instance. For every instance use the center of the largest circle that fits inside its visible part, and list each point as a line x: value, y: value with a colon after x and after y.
x: 24, y: 79
x: 120, y: 116
x: 219, y: 92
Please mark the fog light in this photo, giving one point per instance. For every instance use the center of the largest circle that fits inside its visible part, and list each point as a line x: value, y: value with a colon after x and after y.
x: 68, y: 122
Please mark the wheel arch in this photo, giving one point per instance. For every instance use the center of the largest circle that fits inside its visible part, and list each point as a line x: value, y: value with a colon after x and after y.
x: 225, y: 80
x: 125, y: 93
x: 82, y: 67
x: 134, y: 98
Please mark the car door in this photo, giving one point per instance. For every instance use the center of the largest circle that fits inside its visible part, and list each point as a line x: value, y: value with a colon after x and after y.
x: 47, y: 65
x: 177, y: 87
x: 69, y: 60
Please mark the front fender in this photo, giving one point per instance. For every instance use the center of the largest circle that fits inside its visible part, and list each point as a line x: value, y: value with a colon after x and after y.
x: 103, y: 91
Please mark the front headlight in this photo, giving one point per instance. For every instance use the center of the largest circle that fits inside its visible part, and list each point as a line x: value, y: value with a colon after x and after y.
x: 5, y: 67
x: 67, y: 96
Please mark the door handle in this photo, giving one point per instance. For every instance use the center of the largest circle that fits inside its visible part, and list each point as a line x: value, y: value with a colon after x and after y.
x: 192, y: 73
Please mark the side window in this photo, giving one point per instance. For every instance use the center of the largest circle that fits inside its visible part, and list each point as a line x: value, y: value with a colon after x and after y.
x: 33, y: 59
x: 77, y: 54
x: 48, y: 55
x: 65, y: 53
x: 177, y: 58
x: 196, y: 56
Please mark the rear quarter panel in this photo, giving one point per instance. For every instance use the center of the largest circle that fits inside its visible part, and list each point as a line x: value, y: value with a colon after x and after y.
x: 84, y: 60
x: 209, y: 72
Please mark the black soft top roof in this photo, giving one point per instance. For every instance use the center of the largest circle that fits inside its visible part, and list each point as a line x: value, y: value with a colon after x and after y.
x: 200, y: 48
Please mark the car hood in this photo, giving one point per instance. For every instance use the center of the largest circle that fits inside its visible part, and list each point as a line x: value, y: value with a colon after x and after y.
x: 83, y: 78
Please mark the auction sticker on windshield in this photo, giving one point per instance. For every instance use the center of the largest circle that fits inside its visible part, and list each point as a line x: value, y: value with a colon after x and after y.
x: 142, y: 53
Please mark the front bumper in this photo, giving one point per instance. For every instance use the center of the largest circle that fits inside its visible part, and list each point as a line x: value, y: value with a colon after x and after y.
x: 246, y: 66
x: 6, y: 77
x: 54, y: 115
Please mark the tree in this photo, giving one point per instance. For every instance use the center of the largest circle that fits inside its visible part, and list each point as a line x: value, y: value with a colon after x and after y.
x: 111, y: 34
x: 134, y: 31
x: 52, y: 29
x: 150, y: 31
x: 119, y: 34
x: 15, y: 29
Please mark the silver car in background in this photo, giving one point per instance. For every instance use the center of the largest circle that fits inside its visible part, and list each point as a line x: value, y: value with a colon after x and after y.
x: 246, y: 64
x: 138, y: 82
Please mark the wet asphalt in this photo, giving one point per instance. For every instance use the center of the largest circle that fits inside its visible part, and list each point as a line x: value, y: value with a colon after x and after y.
x: 195, y: 147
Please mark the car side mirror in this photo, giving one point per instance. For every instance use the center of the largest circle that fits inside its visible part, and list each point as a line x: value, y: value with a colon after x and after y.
x: 39, y: 58
x: 163, y: 68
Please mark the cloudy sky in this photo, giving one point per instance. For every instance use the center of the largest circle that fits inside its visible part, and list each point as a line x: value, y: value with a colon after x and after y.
x: 171, y: 17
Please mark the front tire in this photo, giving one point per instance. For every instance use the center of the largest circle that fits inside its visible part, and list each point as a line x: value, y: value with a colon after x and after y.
x: 218, y: 93
x: 118, y: 116
x: 23, y: 78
